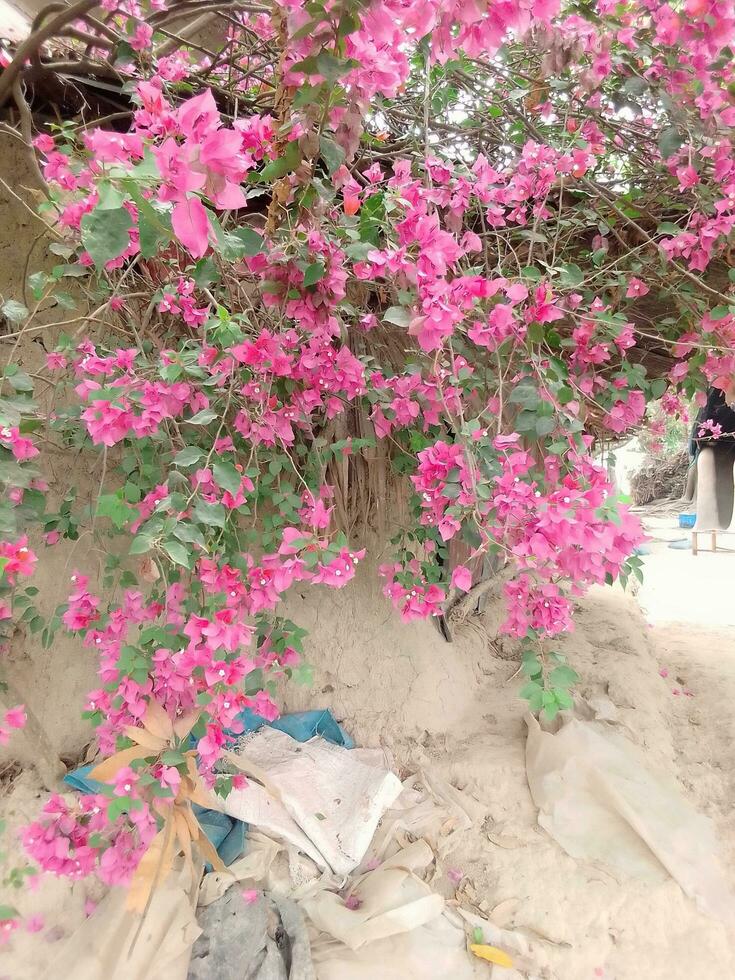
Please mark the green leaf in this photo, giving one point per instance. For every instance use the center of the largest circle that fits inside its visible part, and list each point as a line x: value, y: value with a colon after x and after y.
x: 7, y: 912
x: 206, y: 273
x: 20, y: 381
x: 188, y: 456
x: 38, y: 282
x: 105, y: 234
x: 550, y: 705
x: 283, y: 165
x: 15, y: 475
x: 530, y: 689
x: 74, y: 271
x: 9, y: 412
x: 332, y: 153
x: 245, y: 241
x: 329, y: 66
x: 303, y: 674
x: 348, y: 23
x: 154, y: 228
x: 119, y: 806
x: 109, y: 197
x: 718, y: 313
x: 571, y: 275
x: 227, y: 477
x: 372, y: 214
x: 525, y: 395
x: 563, y: 676
x: 314, y: 273
x: 536, y: 332
x: 398, y: 315
x: 64, y: 299
x: 189, y: 534
x: 563, y: 698
x: 670, y: 141
x: 534, y: 694
x: 532, y: 273
x: 565, y: 395
x: 113, y: 506
x: 213, y: 515
x: 177, y: 553
x: 201, y: 418
x: 14, y: 311
x: 141, y: 543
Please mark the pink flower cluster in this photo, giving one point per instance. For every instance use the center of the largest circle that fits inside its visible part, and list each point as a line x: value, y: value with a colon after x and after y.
x: 14, y: 718
x: 212, y: 655
x: 252, y: 396
x: 443, y: 480
x: 75, y: 838
x: 410, y: 593
x: 16, y: 558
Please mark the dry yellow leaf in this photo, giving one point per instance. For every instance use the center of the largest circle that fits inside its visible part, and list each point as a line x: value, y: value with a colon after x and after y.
x: 184, y: 724
x: 210, y: 854
x: 109, y: 768
x: 491, y: 953
x: 157, y: 721
x: 183, y: 834
x: 154, y: 866
x: 143, y: 737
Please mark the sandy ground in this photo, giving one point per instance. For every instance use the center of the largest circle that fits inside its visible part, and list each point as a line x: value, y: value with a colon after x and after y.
x: 453, y: 710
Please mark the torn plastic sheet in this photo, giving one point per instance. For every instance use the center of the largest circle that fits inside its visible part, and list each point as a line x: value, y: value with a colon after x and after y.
x: 114, y: 944
x: 383, y: 921
x: 226, y: 833
x: 321, y: 798
x: 598, y: 800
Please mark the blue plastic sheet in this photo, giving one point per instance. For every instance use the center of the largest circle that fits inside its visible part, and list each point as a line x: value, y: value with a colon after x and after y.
x: 226, y: 834
x: 302, y: 725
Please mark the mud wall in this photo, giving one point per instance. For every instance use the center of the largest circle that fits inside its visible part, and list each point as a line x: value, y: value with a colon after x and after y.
x: 52, y: 683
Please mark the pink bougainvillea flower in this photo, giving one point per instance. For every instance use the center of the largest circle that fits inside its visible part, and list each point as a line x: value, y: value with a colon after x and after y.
x: 16, y: 717
x: 191, y: 226
x: 636, y: 288
x: 7, y: 928
x: 35, y: 923
x: 462, y: 578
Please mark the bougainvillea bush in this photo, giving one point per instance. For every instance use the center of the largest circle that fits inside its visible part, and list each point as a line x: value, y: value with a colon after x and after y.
x: 471, y: 238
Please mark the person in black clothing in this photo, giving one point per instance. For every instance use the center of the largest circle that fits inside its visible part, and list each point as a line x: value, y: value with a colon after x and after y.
x: 710, y: 477
x: 719, y: 408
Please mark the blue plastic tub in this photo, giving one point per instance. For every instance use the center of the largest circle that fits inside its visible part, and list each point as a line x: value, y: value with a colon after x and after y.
x: 687, y: 520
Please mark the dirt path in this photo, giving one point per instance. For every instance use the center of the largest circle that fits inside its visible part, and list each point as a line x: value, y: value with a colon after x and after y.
x: 703, y: 726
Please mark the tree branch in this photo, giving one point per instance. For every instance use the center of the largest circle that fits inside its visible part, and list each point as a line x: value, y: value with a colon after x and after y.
x: 36, y: 38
